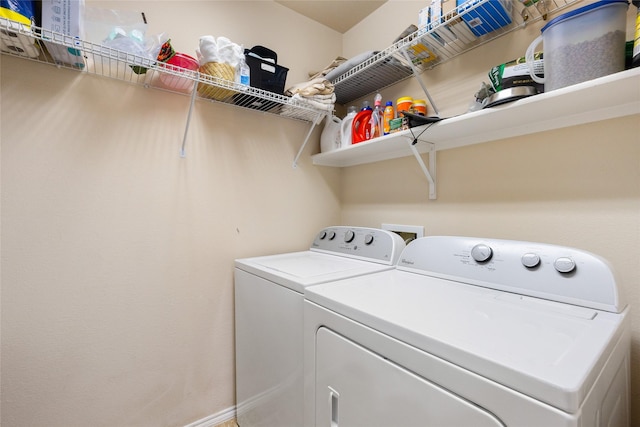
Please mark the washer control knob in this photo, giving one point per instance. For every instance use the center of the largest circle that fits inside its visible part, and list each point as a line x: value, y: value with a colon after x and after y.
x: 530, y: 260
x: 322, y: 235
x: 564, y: 265
x: 349, y: 236
x: 368, y: 239
x: 332, y: 235
x: 481, y: 252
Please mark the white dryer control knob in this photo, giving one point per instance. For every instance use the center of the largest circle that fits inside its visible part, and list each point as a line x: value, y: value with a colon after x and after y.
x: 349, y: 236
x: 323, y: 235
x: 481, y: 252
x: 564, y: 265
x: 368, y: 239
x: 530, y: 260
x: 332, y: 235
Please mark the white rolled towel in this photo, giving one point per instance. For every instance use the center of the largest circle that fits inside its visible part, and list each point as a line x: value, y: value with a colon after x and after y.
x: 220, y: 50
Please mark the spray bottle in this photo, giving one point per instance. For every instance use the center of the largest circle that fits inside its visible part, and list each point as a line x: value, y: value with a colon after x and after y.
x: 376, y: 117
x: 243, y: 73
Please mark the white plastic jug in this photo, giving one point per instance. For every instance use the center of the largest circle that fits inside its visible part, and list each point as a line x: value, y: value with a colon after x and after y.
x: 330, y: 139
x: 346, y: 127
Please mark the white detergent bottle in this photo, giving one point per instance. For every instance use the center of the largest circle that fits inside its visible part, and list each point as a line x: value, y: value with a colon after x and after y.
x: 346, y: 127
x: 330, y: 138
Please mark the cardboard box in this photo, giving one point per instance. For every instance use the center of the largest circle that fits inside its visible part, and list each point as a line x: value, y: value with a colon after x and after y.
x: 17, y: 17
x: 443, y: 10
x: 421, y: 52
x: 516, y: 73
x: 449, y: 8
x: 12, y: 41
x: 487, y: 17
x: 64, y: 18
x: 435, y: 14
x: 423, y: 16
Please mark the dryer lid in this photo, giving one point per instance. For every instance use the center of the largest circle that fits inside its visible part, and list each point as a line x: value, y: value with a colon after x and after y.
x: 297, y: 270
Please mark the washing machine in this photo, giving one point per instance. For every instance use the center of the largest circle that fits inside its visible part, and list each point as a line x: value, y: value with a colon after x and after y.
x: 470, y: 332
x: 269, y: 315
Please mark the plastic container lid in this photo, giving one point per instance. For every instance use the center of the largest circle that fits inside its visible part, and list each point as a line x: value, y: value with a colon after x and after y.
x: 389, y: 104
x: 184, y: 61
x: 580, y: 11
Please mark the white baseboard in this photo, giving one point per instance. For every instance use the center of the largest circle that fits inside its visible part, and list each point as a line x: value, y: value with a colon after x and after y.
x: 215, y: 419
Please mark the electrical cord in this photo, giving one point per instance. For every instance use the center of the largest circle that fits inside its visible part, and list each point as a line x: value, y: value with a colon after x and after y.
x: 415, y: 138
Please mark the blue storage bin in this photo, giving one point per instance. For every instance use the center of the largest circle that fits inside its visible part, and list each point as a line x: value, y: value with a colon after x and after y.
x: 485, y: 16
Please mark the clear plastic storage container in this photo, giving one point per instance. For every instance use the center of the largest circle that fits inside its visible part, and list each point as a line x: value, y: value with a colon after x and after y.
x: 583, y: 44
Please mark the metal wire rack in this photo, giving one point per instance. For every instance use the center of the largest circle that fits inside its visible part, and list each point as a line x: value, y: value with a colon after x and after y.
x: 46, y: 46
x: 440, y: 41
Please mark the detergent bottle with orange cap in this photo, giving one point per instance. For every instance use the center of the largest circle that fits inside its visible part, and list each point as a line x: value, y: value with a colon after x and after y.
x: 361, y: 130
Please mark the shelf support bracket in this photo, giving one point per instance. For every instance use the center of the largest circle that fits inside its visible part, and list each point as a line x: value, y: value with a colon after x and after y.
x: 416, y: 74
x: 186, y: 128
x: 315, y: 122
x: 429, y: 172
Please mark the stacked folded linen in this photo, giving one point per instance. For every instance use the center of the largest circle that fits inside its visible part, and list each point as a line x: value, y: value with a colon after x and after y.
x: 317, y: 102
x: 317, y: 86
x: 320, y: 102
x: 317, y: 93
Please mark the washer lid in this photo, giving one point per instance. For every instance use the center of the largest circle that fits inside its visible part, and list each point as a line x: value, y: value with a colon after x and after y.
x: 547, y: 350
x: 298, y: 270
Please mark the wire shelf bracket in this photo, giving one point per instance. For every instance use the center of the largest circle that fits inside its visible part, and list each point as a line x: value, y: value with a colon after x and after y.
x: 315, y: 122
x: 186, y: 128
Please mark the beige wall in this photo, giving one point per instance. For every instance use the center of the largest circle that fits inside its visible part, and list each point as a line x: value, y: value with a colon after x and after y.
x: 117, y: 254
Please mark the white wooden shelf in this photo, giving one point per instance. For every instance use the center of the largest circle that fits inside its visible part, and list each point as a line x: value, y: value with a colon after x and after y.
x: 616, y: 95
x: 607, y: 97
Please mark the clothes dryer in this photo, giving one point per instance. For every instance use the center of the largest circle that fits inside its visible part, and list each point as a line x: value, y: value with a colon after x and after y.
x: 470, y: 332
x: 269, y: 315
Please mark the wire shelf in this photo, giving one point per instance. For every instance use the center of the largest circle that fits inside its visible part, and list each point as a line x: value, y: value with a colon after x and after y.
x: 439, y: 42
x: 44, y: 46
